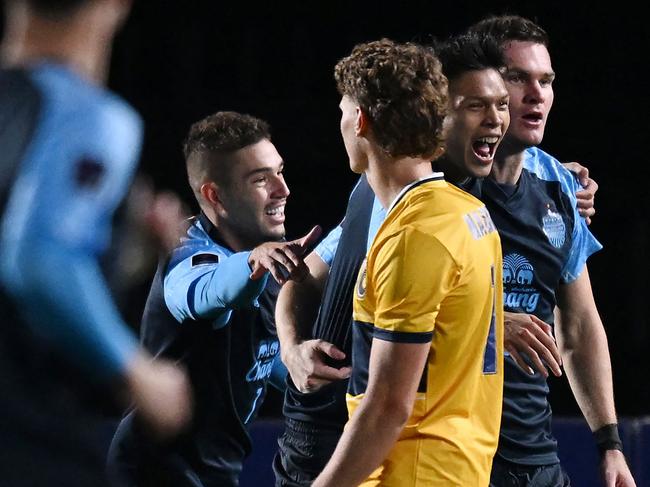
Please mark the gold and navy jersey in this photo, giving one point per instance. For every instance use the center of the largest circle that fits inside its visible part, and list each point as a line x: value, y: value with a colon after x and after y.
x: 433, y: 275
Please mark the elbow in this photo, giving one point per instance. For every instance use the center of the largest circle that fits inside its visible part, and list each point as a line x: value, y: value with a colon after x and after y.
x: 392, y: 412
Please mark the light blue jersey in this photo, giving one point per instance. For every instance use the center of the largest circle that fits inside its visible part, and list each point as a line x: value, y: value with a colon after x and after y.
x: 57, y: 219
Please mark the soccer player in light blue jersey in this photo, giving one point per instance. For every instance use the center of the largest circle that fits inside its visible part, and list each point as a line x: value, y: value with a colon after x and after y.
x: 68, y: 148
x: 545, y: 247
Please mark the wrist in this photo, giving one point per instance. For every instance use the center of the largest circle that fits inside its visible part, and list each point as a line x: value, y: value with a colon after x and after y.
x: 607, y: 438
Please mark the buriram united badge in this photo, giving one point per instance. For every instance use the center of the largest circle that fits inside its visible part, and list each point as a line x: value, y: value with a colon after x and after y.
x: 554, y: 228
x: 361, y: 281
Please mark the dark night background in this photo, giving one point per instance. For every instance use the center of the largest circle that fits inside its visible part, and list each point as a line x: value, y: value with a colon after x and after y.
x: 179, y: 61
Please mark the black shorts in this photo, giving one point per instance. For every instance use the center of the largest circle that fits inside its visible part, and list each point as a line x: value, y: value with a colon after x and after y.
x: 508, y: 474
x: 304, y: 450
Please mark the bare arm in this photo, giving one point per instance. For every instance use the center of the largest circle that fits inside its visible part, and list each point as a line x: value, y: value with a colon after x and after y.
x: 394, y: 374
x: 295, y: 312
x: 583, y: 344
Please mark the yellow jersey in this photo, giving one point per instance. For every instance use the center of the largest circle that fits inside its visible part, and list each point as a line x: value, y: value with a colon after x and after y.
x: 433, y: 274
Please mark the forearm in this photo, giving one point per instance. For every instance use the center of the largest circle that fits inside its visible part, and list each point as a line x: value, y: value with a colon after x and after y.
x: 354, y: 460
x: 586, y: 359
x: 298, y: 303
x: 80, y: 318
x: 295, y: 311
x: 206, y: 291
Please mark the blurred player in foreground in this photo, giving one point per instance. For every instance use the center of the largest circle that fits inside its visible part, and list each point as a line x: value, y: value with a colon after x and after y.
x: 68, y: 149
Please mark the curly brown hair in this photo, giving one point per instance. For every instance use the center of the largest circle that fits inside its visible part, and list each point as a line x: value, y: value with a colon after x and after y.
x: 401, y: 89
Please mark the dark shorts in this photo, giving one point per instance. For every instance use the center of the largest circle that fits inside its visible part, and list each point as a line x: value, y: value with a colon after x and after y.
x: 508, y: 474
x: 304, y: 450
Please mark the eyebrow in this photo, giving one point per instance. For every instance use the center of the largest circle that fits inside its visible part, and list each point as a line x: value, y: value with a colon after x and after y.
x: 548, y: 74
x: 266, y: 169
x: 485, y: 98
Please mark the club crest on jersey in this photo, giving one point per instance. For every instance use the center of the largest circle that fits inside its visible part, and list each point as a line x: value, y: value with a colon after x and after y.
x: 554, y: 228
x: 361, y: 281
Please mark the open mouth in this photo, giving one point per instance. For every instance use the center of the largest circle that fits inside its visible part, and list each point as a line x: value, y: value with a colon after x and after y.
x: 533, y: 118
x: 485, y: 147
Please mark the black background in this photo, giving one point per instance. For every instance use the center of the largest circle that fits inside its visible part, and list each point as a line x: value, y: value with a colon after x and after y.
x: 179, y: 61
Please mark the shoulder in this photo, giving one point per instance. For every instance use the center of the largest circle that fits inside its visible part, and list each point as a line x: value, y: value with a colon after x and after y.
x: 547, y: 168
x: 197, y: 249
x: 96, y: 119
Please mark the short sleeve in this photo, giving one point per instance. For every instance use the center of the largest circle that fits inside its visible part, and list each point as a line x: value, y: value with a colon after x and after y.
x: 413, y: 274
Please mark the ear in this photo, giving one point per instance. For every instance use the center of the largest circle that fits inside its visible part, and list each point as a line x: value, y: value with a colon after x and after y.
x: 361, y: 123
x: 440, y: 150
x: 211, y: 194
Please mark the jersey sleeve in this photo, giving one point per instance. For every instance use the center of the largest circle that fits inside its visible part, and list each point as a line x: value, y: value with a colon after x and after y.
x: 413, y: 273
x: 209, y: 285
x: 326, y: 249
x: 584, y: 244
x: 56, y: 222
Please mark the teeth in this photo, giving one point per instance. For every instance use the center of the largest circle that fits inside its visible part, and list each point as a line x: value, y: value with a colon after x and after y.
x: 275, y: 211
x: 488, y: 140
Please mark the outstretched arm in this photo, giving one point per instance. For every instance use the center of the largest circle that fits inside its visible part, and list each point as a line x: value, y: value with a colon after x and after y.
x: 583, y: 345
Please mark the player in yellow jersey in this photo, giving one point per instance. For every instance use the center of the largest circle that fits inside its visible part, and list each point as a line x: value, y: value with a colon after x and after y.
x: 426, y: 388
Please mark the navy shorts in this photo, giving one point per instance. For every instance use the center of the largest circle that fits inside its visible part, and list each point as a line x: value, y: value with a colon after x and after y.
x: 304, y: 450
x: 508, y: 474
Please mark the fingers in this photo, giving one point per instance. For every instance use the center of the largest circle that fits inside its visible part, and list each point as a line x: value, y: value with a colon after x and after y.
x: 519, y: 360
x: 330, y: 350
x: 258, y: 272
x: 591, y: 186
x: 305, y: 242
x: 581, y: 172
x: 532, y: 336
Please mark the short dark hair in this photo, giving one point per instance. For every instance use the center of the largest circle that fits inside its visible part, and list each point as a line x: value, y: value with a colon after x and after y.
x: 210, y: 141
x: 506, y: 28
x: 402, y: 90
x: 469, y: 52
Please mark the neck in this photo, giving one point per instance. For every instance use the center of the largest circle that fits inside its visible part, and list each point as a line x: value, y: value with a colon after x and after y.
x: 388, y: 176
x: 81, y: 42
x: 233, y: 239
x: 508, y: 163
x: 454, y: 174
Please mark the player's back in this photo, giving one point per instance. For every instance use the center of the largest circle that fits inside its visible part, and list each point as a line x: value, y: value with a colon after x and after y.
x: 67, y: 149
x: 439, y: 254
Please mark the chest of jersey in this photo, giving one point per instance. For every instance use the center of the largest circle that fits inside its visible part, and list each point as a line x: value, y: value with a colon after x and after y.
x: 535, y: 224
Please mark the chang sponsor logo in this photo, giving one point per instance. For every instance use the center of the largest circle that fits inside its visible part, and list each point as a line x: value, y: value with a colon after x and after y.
x: 518, y: 277
x: 263, y: 366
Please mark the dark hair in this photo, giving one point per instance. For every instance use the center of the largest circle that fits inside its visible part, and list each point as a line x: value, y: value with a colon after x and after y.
x: 402, y: 90
x: 504, y: 28
x: 217, y: 136
x: 469, y: 52
x: 225, y: 132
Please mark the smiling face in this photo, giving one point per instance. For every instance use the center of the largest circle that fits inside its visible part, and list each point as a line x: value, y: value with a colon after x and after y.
x: 529, y: 80
x: 253, y: 200
x: 477, y: 121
